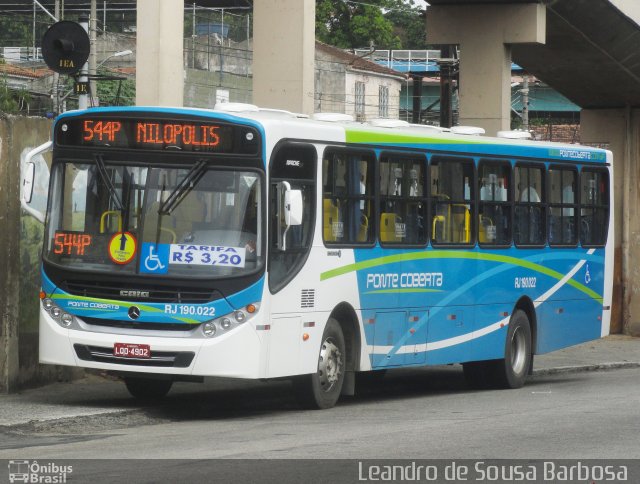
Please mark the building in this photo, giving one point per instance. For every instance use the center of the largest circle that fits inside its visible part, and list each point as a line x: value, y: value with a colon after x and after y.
x: 351, y: 84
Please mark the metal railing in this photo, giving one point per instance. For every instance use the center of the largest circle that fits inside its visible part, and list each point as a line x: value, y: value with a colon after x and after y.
x: 403, y: 60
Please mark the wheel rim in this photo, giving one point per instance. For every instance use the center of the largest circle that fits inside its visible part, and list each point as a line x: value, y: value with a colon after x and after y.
x: 518, y: 351
x: 329, y: 365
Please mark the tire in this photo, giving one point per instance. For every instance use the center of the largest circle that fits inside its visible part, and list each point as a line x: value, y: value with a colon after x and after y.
x: 512, y: 371
x: 147, y: 389
x: 322, y: 389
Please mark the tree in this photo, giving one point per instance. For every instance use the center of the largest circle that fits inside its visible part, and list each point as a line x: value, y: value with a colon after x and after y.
x: 390, y: 24
x: 351, y: 25
x: 409, y: 24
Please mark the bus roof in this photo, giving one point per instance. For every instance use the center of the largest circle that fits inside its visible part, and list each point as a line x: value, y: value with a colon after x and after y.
x: 383, y: 134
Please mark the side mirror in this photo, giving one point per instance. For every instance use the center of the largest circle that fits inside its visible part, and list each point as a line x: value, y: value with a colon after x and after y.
x: 293, y: 207
x: 28, y: 181
x: 289, y: 211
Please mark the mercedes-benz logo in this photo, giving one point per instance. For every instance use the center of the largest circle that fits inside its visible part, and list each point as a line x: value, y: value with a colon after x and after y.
x: 134, y: 312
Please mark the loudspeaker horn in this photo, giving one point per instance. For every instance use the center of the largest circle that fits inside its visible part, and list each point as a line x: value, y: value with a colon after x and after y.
x: 65, y: 47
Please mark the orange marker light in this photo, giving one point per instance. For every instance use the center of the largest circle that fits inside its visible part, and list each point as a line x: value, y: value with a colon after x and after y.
x: 305, y: 336
x: 42, y: 294
x: 251, y: 309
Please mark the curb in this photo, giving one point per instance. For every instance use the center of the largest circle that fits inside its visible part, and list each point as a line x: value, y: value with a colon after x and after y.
x: 580, y: 368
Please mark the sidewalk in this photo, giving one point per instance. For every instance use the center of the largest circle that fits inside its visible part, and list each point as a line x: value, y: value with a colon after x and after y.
x: 95, y: 396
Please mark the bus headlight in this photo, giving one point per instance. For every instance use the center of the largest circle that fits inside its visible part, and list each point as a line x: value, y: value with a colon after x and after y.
x: 228, y: 322
x: 61, y: 317
x: 209, y: 329
x: 66, y: 319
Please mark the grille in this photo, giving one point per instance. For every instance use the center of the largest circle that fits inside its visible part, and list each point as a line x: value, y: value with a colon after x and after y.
x: 167, y: 359
x: 105, y: 290
x: 308, y: 298
x: 140, y: 325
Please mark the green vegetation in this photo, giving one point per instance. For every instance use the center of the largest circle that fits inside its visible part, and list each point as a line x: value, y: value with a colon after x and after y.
x: 12, y: 101
x: 108, y: 91
x: 389, y: 24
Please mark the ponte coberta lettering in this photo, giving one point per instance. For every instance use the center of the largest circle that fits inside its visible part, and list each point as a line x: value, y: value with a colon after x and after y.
x: 390, y: 280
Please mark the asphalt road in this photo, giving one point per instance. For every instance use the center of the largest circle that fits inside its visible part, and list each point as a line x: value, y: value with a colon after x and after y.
x: 416, y: 414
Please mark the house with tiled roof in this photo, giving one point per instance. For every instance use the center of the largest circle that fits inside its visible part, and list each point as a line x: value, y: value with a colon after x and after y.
x: 19, y: 77
x: 351, y: 84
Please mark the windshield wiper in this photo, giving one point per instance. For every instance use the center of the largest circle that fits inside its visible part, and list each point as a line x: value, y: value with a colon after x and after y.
x: 102, y: 170
x: 183, y: 188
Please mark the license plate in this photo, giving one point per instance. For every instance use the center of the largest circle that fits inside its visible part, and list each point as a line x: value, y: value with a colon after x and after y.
x: 128, y: 350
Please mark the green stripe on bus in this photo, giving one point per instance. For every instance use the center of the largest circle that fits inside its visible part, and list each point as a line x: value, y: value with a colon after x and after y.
x: 439, y: 254
x: 360, y: 136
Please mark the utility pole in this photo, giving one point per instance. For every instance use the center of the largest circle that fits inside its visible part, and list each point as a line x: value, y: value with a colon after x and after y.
x: 56, y: 76
x: 92, y: 52
x: 417, y: 98
x: 33, y: 52
x: 446, y: 81
x: 83, y: 102
x: 193, y: 38
x: 525, y: 102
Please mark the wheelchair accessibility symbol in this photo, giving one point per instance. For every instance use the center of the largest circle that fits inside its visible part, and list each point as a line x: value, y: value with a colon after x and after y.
x: 155, y: 258
x: 587, y: 275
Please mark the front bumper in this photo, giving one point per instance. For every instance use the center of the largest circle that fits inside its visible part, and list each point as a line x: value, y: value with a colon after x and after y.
x: 240, y: 353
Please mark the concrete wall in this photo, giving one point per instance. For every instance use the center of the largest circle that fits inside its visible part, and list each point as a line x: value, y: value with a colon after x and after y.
x: 20, y: 247
x: 200, y: 88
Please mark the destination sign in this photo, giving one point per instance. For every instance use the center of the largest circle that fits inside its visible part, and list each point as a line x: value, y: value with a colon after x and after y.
x: 157, y: 134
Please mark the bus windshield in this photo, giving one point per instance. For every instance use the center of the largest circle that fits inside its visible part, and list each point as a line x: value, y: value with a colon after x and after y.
x: 188, y: 221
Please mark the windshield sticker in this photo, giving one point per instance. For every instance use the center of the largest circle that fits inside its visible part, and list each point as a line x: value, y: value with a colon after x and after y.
x: 122, y: 248
x: 204, y: 255
x: 154, y: 258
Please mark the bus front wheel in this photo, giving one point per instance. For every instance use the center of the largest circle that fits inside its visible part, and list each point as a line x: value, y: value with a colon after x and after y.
x: 322, y: 389
x: 147, y: 388
x: 511, y: 372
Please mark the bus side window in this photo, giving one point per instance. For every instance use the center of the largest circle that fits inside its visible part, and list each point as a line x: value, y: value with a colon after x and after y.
x: 403, y: 203
x: 452, y: 200
x: 594, y: 207
x: 348, y: 194
x: 562, y: 206
x: 494, y: 212
x: 530, y: 227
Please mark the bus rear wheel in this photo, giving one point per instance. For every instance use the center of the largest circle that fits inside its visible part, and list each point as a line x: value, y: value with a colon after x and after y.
x: 322, y: 389
x: 147, y: 389
x: 511, y: 372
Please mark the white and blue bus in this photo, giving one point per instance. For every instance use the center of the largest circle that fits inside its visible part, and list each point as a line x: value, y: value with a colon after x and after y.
x: 240, y: 242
